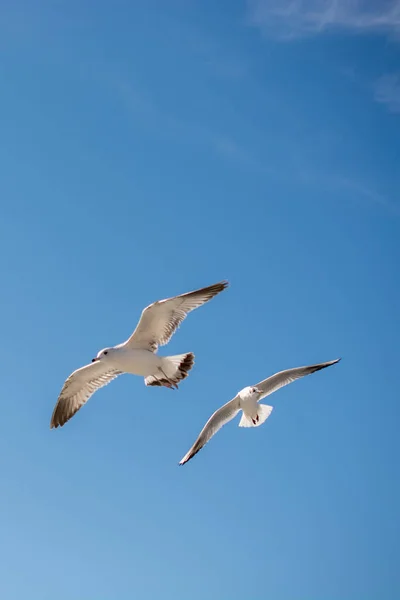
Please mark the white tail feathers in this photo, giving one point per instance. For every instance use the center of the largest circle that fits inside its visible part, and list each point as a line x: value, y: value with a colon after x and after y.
x: 263, y: 413
x: 173, y: 370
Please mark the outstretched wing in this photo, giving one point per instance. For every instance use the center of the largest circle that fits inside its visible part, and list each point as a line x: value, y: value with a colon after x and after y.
x: 78, y: 388
x: 275, y: 382
x: 221, y: 416
x: 160, y: 320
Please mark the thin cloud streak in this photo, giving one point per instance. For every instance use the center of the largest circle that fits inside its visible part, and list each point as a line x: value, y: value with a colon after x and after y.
x: 140, y: 104
x: 387, y: 91
x: 296, y: 18
x: 360, y: 191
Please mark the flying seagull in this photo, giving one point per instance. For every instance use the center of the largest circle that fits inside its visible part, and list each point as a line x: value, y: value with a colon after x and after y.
x: 138, y: 355
x: 247, y: 400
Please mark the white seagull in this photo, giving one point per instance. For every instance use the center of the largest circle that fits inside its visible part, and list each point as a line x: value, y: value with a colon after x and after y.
x: 157, y: 324
x: 247, y: 400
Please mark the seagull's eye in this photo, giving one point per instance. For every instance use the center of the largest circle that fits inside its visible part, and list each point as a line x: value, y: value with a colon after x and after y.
x: 106, y: 352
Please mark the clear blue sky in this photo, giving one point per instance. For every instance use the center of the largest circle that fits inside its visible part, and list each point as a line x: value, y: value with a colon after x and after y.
x: 149, y: 148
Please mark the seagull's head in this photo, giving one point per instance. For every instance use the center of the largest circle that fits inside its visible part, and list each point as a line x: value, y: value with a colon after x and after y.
x: 103, y: 354
x: 250, y: 392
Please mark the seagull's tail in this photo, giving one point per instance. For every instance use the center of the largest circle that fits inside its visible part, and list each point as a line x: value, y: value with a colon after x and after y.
x: 172, y: 371
x: 262, y: 415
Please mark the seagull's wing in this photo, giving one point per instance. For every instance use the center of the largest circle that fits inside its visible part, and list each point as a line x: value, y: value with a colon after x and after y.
x: 275, y: 382
x: 160, y: 320
x: 78, y: 388
x: 221, y: 416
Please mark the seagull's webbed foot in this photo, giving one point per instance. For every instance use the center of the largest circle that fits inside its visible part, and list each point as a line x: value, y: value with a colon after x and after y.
x: 170, y: 385
x: 167, y: 382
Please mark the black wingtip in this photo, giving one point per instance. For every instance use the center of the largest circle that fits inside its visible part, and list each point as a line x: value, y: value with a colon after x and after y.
x: 220, y: 286
x: 328, y: 363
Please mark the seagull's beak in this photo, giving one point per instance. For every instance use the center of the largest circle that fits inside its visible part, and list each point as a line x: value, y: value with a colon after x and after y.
x: 258, y: 391
x: 95, y: 359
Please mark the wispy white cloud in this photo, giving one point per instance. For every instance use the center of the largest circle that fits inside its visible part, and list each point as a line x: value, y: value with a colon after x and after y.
x: 141, y: 106
x: 294, y: 18
x: 387, y: 91
x: 361, y: 192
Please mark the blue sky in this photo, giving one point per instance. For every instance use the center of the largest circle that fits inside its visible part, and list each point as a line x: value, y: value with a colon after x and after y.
x: 149, y: 148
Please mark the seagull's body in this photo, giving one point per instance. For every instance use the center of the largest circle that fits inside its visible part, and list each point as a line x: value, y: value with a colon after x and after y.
x: 247, y: 401
x: 137, y: 355
x: 134, y: 361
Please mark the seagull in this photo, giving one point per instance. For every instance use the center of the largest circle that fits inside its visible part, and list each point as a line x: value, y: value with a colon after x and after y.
x: 253, y: 414
x: 138, y: 355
